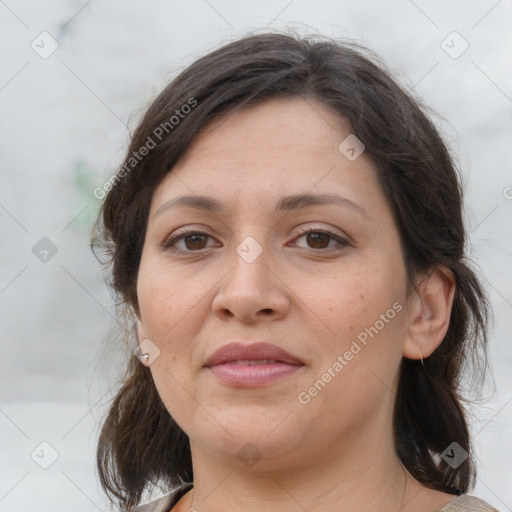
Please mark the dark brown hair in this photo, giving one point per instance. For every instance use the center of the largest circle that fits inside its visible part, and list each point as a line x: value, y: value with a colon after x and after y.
x: 140, y: 445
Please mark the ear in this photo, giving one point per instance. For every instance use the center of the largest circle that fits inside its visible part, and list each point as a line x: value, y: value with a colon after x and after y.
x: 142, y: 340
x: 138, y: 318
x: 140, y: 330
x: 430, y: 310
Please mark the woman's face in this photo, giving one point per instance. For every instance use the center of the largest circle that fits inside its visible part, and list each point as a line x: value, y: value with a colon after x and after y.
x: 320, y: 278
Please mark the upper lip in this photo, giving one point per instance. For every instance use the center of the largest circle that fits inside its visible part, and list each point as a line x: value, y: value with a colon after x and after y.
x: 254, y: 352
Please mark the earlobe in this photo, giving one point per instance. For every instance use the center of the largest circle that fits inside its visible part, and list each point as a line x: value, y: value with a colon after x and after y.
x: 430, y: 317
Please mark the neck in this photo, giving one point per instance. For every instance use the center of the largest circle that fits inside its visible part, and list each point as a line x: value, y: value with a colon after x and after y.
x: 335, y: 481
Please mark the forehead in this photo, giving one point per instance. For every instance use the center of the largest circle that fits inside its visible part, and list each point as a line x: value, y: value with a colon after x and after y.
x: 283, y: 125
x: 275, y: 147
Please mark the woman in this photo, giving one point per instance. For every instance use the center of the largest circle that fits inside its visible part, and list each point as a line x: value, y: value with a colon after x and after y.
x: 286, y: 233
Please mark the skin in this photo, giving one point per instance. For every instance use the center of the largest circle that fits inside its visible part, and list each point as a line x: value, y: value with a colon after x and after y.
x: 310, y: 296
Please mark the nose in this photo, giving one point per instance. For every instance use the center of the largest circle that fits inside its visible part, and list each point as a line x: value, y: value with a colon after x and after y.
x: 253, y: 289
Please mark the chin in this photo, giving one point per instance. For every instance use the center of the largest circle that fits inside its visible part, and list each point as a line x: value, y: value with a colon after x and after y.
x: 246, y: 443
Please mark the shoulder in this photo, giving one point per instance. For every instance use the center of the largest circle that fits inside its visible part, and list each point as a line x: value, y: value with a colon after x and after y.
x: 463, y: 503
x: 164, y: 503
x: 467, y: 503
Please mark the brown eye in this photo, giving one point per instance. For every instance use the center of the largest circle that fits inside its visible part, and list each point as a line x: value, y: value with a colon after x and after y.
x: 319, y: 239
x: 192, y: 241
x: 195, y: 241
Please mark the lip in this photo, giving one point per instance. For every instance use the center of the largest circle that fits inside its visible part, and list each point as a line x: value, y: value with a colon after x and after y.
x: 234, y: 364
x: 233, y: 352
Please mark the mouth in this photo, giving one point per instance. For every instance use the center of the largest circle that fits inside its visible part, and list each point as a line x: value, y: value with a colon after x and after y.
x: 249, y: 362
x: 253, y: 365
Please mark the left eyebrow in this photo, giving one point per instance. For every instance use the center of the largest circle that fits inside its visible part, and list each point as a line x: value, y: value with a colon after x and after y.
x: 285, y: 204
x: 298, y: 201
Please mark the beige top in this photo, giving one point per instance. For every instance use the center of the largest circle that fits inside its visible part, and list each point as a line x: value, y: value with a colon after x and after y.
x: 463, y: 503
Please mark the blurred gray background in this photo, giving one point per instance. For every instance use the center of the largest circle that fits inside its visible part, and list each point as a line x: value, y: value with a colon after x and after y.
x: 74, y: 78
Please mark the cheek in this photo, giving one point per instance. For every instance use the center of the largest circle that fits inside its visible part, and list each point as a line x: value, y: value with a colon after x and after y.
x: 348, y: 299
x: 359, y: 314
x: 359, y: 350
x: 169, y: 303
x: 170, y: 318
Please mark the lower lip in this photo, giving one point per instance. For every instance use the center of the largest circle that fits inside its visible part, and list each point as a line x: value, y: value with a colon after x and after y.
x: 240, y: 375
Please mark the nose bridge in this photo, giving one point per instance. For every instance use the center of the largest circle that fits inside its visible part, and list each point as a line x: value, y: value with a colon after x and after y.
x: 250, y: 250
x: 250, y: 285
x: 251, y: 262
x: 251, y: 234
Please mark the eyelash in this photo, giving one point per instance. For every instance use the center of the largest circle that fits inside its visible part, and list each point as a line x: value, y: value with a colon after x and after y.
x: 168, y: 245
